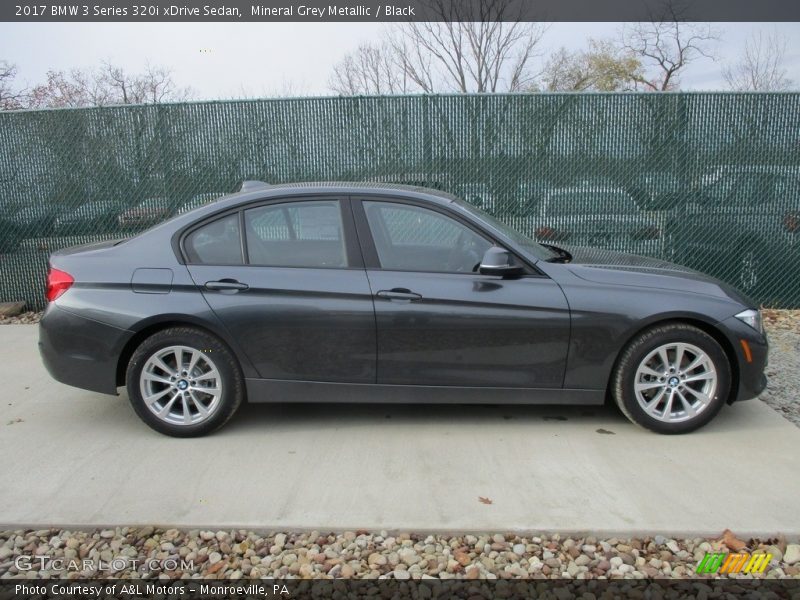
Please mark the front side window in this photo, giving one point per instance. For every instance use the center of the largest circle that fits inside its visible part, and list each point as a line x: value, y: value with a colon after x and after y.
x: 410, y: 238
x: 296, y: 234
x: 216, y: 243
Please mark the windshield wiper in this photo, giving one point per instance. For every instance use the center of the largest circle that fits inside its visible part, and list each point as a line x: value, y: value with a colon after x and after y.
x: 562, y: 256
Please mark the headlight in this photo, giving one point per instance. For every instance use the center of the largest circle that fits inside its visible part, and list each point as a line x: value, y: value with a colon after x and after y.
x: 753, y: 318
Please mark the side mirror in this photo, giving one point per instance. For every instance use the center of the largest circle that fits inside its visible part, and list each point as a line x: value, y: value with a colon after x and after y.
x: 499, y: 261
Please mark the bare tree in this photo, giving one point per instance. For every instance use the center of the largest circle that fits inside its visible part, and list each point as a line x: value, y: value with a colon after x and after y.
x: 602, y: 67
x: 106, y: 85
x: 481, y: 46
x: 371, y: 69
x: 760, y: 66
x: 667, y: 45
x: 72, y: 89
x: 153, y: 86
x: 123, y: 88
x: 10, y: 97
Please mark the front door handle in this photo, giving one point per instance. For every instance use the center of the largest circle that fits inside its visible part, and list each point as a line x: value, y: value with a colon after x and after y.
x: 399, y: 294
x: 226, y: 285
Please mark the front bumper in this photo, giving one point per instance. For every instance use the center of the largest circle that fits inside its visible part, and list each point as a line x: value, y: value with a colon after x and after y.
x: 80, y: 352
x: 752, y: 380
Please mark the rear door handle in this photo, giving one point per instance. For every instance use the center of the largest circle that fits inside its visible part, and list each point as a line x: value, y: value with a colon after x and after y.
x: 399, y: 294
x: 226, y: 285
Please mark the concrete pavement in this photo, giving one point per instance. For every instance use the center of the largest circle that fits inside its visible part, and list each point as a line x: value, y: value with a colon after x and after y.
x: 82, y: 459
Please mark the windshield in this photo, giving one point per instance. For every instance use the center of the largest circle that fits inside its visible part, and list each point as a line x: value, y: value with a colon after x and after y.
x: 590, y: 203
x: 536, y: 250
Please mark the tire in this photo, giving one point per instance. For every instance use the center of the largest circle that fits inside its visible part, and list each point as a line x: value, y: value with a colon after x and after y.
x: 189, y: 405
x: 697, y: 392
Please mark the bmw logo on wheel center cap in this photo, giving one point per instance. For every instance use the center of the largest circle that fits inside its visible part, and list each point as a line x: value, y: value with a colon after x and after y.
x: 182, y: 385
x: 674, y: 381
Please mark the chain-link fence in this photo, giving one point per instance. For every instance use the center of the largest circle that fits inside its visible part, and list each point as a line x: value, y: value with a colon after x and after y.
x: 709, y: 180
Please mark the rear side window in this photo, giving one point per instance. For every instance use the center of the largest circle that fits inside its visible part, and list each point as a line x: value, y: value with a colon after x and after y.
x: 296, y: 234
x: 216, y: 243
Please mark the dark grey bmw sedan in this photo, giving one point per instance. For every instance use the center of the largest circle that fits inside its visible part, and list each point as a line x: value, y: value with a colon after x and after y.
x: 380, y: 293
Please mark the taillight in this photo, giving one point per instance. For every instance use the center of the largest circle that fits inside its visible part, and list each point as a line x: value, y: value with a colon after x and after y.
x: 647, y: 233
x: 791, y: 221
x: 58, y: 282
x: 548, y: 233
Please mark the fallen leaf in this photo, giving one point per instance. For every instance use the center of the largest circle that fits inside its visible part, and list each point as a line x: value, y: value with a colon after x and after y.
x: 483, y: 500
x: 731, y: 541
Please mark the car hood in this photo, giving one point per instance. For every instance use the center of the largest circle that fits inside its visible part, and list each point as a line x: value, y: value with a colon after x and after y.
x: 619, y: 268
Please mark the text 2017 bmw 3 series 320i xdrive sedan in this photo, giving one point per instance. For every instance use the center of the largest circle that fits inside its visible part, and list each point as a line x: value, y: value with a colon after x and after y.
x: 372, y: 293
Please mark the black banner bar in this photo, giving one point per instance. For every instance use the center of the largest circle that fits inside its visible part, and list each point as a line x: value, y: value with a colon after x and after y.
x: 316, y: 11
x: 277, y: 589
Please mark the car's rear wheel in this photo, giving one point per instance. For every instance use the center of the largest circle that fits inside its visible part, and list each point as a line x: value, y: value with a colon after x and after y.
x: 184, y: 382
x: 672, y: 378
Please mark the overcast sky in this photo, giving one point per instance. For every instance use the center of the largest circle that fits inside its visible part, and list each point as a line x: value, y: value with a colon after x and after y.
x: 228, y: 60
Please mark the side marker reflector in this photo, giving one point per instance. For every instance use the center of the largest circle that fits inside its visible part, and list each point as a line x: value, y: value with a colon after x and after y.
x: 748, y: 356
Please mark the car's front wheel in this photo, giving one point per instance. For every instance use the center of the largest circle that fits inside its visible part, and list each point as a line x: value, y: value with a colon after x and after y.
x: 672, y: 378
x: 184, y: 382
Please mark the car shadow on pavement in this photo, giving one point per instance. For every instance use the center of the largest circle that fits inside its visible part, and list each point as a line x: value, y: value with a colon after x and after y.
x: 289, y: 414
x: 600, y: 419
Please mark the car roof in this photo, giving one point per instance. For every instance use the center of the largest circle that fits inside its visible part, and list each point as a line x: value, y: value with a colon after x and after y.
x: 256, y: 191
x: 260, y: 190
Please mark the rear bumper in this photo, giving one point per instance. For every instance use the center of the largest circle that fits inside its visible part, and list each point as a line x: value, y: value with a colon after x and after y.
x: 752, y: 380
x: 80, y: 352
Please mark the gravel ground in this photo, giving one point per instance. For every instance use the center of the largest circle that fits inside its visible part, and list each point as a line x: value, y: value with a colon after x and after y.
x: 26, y: 318
x: 783, y: 371
x: 156, y: 553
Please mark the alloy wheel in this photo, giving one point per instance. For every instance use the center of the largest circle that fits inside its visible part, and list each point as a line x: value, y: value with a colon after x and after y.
x: 675, y: 382
x: 181, y: 385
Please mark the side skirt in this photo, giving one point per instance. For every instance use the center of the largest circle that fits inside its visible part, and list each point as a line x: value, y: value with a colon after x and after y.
x: 278, y: 390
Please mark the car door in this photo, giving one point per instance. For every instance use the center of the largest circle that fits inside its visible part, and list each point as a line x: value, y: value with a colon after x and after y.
x: 440, y: 322
x: 286, y: 279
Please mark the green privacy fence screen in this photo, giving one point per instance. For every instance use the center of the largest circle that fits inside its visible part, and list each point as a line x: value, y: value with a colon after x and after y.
x: 708, y: 180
